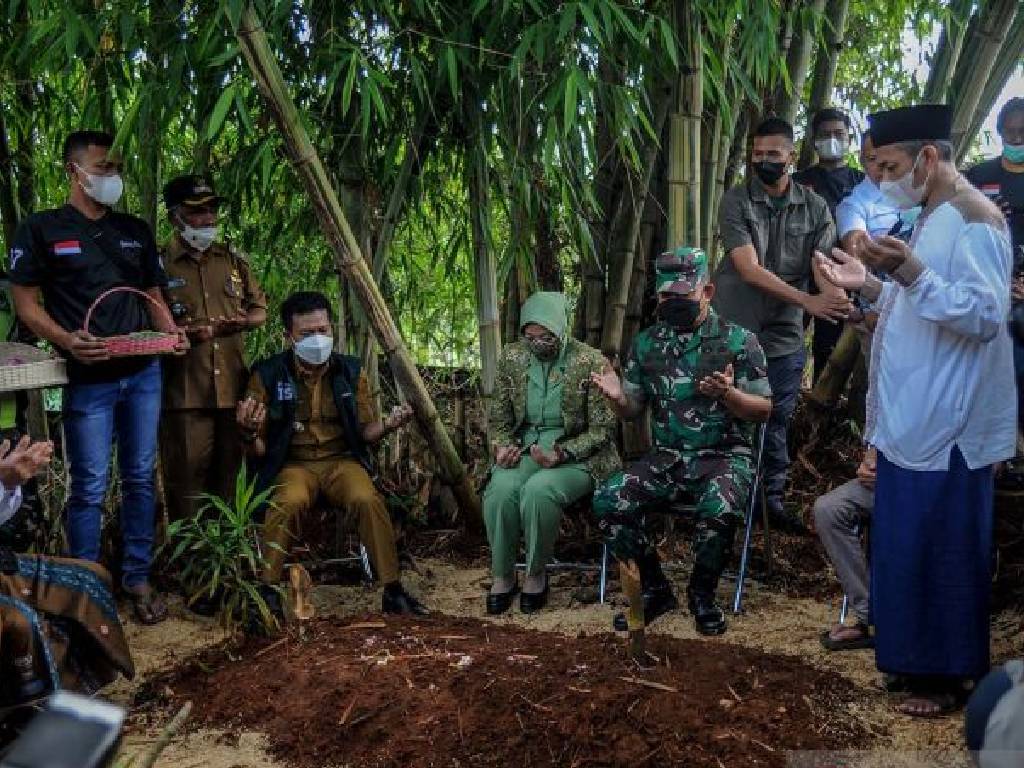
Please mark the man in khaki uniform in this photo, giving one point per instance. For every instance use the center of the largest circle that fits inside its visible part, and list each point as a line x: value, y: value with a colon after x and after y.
x: 212, y: 293
x: 309, y: 421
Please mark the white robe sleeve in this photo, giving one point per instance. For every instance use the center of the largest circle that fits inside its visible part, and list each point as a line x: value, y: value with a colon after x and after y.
x: 975, y: 300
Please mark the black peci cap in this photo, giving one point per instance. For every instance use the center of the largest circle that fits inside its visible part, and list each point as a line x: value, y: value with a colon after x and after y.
x: 189, y: 190
x: 924, y: 122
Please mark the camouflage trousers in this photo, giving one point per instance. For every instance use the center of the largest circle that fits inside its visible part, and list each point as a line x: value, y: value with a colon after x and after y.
x: 718, y: 481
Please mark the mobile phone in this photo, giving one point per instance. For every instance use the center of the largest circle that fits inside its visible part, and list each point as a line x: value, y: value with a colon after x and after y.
x: 72, y: 732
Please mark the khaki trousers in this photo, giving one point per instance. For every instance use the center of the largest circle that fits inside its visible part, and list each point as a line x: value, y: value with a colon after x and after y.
x: 201, y: 454
x: 342, y: 483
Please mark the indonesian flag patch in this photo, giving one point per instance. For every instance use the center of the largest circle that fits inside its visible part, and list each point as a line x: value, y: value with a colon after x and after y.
x: 67, y: 248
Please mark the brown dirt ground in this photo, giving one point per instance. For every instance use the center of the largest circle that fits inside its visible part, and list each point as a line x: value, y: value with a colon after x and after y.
x: 774, y: 623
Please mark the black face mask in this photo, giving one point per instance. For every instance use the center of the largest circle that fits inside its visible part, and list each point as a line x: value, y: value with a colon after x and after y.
x: 680, y: 312
x: 769, y: 172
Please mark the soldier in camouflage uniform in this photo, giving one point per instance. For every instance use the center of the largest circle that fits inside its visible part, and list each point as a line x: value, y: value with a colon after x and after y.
x: 706, y: 383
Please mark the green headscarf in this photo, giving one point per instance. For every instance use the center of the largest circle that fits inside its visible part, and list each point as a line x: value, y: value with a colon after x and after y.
x: 546, y: 308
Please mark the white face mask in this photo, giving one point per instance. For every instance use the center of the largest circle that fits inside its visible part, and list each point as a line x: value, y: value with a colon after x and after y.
x: 315, y: 349
x: 199, y: 238
x: 829, y: 149
x: 105, y: 190
x: 902, y: 193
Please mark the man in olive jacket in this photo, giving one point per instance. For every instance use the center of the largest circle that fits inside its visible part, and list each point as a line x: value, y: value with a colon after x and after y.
x: 553, y: 436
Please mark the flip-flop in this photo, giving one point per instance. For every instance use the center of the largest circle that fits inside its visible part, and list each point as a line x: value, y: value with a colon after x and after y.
x: 943, y: 703
x: 149, y: 608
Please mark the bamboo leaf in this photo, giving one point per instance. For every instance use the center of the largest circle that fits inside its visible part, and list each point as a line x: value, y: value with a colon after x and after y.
x: 220, y: 111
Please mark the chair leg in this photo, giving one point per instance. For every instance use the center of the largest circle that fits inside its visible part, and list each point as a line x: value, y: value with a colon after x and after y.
x: 603, y: 582
x: 737, y: 603
x: 364, y: 558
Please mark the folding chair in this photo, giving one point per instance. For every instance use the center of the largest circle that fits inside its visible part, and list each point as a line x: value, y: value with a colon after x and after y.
x: 755, y: 496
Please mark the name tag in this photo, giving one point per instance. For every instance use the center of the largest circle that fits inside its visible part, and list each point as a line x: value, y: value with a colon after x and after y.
x: 126, y: 244
x: 285, y: 391
x: 176, y: 282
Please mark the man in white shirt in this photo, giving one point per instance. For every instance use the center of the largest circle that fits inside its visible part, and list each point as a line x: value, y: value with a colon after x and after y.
x: 865, y: 212
x: 941, y: 409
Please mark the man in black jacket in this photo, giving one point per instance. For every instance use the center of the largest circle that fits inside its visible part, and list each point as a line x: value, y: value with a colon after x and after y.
x: 308, y: 417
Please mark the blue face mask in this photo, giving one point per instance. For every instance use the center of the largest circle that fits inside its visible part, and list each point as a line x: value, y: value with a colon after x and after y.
x: 1014, y: 153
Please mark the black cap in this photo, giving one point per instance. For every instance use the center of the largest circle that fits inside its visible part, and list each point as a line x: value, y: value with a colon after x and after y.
x: 924, y: 122
x: 189, y: 190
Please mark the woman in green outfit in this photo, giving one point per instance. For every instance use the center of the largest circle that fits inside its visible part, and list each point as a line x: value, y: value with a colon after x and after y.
x: 553, y: 437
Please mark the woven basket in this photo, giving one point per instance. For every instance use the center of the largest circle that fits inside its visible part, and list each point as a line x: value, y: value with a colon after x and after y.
x: 140, y: 342
x: 25, y: 367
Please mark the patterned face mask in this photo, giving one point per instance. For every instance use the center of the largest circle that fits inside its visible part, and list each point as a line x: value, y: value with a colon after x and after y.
x: 544, y: 347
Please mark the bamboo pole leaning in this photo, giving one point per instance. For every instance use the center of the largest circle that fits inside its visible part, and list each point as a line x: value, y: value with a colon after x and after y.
x: 348, y: 255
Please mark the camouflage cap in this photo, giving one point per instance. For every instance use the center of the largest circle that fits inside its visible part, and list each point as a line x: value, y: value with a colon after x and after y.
x: 681, y: 270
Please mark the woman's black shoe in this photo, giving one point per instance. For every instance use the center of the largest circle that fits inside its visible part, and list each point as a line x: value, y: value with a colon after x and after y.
x: 499, y: 602
x: 531, y: 602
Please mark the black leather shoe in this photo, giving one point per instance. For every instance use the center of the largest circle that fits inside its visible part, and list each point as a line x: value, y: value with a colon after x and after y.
x: 499, y: 602
x: 398, y: 601
x: 708, y: 617
x: 531, y: 602
x: 656, y: 602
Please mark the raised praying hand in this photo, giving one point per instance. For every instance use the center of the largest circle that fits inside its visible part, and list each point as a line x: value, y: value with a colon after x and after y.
x: 400, y: 416
x: 22, y: 462
x: 717, y: 385
x: 842, y: 270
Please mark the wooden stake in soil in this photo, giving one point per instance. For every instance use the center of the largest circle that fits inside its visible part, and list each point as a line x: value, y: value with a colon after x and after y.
x: 629, y: 575
x: 348, y: 255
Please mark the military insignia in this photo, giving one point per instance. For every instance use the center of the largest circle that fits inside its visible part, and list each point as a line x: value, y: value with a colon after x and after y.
x: 299, y: 426
x: 232, y: 286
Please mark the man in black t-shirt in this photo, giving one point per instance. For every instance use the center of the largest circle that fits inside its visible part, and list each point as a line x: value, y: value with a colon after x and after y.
x: 1001, y: 179
x: 61, y: 262
x: 833, y: 179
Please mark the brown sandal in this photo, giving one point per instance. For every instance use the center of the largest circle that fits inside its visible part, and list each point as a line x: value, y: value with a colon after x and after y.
x: 148, y: 606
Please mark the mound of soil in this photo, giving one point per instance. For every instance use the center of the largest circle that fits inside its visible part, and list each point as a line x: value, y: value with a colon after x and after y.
x: 462, y: 692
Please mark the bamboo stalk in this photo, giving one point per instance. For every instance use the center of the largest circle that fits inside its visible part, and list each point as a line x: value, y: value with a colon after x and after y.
x: 798, y: 59
x: 994, y: 19
x: 1006, y: 64
x: 168, y: 733
x: 485, y: 270
x: 823, y: 80
x: 947, y: 54
x: 624, y: 240
x: 348, y: 254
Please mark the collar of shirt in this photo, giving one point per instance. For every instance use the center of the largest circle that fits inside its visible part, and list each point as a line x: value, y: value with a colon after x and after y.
x: 795, y: 194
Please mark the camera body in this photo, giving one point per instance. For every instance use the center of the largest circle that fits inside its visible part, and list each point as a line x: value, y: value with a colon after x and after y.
x: 72, y: 732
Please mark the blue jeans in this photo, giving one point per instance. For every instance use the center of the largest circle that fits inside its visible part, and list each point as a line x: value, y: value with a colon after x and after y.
x: 784, y: 375
x: 95, y: 415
